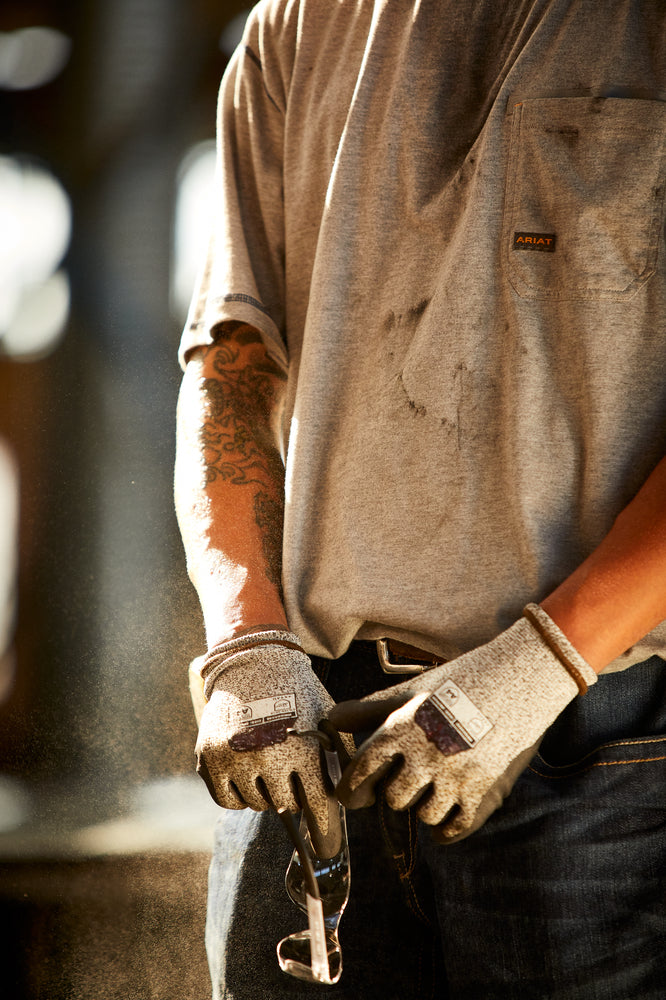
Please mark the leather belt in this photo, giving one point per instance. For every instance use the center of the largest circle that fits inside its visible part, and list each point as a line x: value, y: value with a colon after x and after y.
x: 400, y: 658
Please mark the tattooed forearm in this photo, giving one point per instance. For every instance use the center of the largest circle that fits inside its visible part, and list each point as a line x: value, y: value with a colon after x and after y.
x: 236, y: 435
x: 240, y: 399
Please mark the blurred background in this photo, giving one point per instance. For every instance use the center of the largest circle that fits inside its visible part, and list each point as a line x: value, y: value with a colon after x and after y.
x: 107, y: 119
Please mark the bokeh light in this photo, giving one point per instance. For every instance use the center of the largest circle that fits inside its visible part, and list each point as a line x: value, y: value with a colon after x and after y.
x: 192, y: 222
x: 32, y: 57
x: 35, y: 230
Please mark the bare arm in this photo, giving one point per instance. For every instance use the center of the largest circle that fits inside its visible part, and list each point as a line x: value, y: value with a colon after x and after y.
x: 229, y: 482
x: 618, y: 594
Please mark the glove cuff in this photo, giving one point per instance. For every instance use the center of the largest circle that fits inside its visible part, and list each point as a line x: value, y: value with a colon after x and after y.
x: 579, y: 669
x: 217, y: 658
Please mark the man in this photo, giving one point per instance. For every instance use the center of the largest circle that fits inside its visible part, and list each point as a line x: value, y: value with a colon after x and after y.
x: 435, y: 298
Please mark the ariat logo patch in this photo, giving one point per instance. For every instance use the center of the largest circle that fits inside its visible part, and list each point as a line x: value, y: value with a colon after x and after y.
x: 535, y: 241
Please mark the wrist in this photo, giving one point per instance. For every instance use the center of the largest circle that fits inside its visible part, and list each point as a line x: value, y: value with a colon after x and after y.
x: 225, y: 620
x: 588, y: 627
x: 558, y: 643
x: 225, y: 654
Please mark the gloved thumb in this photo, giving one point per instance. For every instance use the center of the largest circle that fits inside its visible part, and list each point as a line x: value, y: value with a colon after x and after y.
x: 326, y: 843
x: 366, y: 714
x: 326, y: 840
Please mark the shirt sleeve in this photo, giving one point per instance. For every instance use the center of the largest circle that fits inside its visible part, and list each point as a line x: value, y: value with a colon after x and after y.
x: 242, y: 277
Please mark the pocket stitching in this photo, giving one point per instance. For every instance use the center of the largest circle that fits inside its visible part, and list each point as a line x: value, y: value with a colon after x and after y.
x: 574, y: 768
x: 601, y: 763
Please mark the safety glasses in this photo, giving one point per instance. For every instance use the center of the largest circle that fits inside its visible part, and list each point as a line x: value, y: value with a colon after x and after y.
x: 320, y: 888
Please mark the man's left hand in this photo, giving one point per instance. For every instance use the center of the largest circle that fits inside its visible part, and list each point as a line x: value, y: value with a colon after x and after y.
x: 453, y: 740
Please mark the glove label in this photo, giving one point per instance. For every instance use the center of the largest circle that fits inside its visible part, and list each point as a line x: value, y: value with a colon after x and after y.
x: 451, y: 720
x: 263, y: 722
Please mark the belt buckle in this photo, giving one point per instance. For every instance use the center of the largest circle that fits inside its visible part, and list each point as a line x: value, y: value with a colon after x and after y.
x: 384, y: 656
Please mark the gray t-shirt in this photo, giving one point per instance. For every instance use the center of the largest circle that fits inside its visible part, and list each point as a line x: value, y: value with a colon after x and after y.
x: 447, y: 221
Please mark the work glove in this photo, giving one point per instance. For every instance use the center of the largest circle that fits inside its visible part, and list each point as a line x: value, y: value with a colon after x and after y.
x: 454, y: 739
x: 255, y: 747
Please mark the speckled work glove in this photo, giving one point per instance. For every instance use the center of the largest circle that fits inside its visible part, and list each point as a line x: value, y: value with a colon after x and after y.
x: 458, y: 736
x: 259, y: 687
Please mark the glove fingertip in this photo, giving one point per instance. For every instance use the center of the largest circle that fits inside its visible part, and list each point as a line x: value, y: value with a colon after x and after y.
x: 356, y: 798
x: 204, y: 774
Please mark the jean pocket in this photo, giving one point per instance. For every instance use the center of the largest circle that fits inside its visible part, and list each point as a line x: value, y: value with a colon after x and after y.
x: 615, y: 754
x: 585, y: 194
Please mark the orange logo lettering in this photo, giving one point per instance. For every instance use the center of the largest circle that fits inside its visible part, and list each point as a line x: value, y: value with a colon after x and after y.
x: 545, y: 242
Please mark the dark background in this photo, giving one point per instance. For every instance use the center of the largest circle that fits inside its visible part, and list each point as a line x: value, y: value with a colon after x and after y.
x: 96, y: 727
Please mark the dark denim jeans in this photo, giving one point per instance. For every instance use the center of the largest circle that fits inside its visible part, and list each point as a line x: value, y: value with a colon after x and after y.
x: 560, y: 896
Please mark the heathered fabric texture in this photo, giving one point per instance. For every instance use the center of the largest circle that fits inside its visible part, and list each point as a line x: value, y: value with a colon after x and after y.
x: 446, y: 219
x: 269, y: 672
x: 219, y: 657
x: 517, y: 683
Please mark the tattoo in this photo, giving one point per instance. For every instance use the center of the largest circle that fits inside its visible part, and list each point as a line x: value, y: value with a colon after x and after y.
x: 236, y: 434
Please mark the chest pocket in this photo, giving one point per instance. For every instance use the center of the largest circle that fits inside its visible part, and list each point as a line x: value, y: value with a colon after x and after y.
x: 585, y: 195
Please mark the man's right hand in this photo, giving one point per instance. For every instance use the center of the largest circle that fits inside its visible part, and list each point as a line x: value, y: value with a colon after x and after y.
x: 245, y: 752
